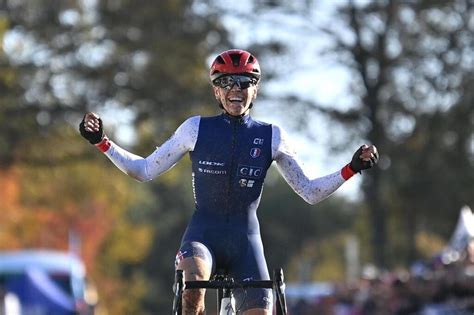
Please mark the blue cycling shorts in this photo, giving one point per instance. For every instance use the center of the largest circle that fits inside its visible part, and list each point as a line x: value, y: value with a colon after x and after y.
x: 236, y: 254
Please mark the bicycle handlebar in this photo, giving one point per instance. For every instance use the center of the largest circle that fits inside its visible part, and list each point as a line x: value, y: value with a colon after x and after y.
x: 225, y: 283
x: 229, y: 284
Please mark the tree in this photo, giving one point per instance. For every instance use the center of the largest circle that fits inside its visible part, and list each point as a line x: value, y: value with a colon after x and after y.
x: 63, y: 58
x: 408, y: 64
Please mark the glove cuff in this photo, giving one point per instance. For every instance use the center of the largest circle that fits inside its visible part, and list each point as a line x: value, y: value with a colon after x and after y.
x: 347, y: 172
x: 104, y: 144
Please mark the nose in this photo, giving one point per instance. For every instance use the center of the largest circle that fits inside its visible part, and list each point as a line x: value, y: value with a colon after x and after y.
x: 236, y: 85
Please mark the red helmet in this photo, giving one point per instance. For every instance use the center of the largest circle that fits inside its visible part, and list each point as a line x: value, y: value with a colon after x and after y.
x: 235, y: 61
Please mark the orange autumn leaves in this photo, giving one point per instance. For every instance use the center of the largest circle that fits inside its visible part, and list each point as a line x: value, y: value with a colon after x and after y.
x: 25, y: 225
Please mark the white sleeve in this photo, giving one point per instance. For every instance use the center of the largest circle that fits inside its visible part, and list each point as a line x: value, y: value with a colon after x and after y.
x: 312, y: 190
x: 162, y: 159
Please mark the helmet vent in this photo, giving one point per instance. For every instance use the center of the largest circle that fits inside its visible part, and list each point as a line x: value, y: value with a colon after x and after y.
x: 235, y: 59
x: 251, y: 59
x: 220, y: 60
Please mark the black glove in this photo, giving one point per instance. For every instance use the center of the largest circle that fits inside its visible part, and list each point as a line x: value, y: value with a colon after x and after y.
x: 358, y: 164
x: 93, y: 137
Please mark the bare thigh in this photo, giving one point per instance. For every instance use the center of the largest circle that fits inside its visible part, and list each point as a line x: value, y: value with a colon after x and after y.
x: 194, y: 268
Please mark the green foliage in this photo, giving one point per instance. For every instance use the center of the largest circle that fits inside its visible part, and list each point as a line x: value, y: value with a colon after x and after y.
x: 294, y: 231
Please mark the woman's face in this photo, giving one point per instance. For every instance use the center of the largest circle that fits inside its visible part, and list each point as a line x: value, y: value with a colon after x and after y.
x: 236, y: 100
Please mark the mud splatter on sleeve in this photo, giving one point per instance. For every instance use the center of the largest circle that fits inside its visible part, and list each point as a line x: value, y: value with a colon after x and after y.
x: 312, y: 190
x: 162, y: 159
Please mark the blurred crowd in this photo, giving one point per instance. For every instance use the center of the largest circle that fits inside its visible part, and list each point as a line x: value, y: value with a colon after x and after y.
x: 441, y: 286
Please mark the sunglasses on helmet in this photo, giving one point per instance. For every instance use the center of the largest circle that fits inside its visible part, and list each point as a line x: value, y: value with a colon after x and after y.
x: 228, y: 81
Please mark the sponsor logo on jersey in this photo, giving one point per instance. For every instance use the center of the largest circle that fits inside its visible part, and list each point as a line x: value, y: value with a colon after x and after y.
x: 255, y: 152
x: 246, y: 182
x: 258, y: 141
x: 212, y: 172
x: 249, y: 171
x: 211, y: 163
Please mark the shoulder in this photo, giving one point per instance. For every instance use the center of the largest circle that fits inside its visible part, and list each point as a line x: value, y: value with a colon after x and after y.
x: 187, y: 132
x: 278, y: 133
x: 189, y: 127
x: 210, y: 119
x: 193, y: 120
x: 281, y: 144
x: 192, y: 123
x: 260, y: 123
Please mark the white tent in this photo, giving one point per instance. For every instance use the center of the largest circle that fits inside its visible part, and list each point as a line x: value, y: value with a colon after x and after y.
x: 462, y: 234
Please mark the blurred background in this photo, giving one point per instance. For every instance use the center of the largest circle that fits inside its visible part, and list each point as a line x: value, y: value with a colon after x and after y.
x: 336, y: 74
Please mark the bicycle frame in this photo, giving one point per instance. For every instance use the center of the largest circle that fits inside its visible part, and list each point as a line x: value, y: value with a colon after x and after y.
x: 225, y: 286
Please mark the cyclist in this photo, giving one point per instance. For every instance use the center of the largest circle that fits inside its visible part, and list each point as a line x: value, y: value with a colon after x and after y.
x: 230, y: 155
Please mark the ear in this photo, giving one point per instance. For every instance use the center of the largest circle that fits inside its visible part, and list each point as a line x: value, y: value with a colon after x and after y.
x: 254, y: 96
x: 216, y: 92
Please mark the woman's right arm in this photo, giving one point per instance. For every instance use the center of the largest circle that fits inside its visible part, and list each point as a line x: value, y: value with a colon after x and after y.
x: 158, y: 162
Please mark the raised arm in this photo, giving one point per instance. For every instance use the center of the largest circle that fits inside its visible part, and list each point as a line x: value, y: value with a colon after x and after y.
x: 313, y: 190
x: 140, y: 168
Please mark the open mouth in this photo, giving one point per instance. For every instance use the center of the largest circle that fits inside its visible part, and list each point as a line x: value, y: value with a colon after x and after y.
x: 235, y: 100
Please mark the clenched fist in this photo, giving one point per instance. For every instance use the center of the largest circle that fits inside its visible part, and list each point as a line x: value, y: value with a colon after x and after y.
x: 364, y: 158
x: 91, y: 128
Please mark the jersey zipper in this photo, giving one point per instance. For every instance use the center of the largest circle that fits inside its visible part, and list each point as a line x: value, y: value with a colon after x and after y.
x: 231, y: 169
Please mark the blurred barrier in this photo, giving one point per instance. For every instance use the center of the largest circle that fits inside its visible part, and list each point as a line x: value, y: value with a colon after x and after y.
x: 43, y: 282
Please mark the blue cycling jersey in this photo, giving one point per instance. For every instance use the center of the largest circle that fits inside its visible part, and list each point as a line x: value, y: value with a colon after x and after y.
x: 229, y: 163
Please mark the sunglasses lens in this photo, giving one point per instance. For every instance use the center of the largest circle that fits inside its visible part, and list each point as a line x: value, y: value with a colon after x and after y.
x: 227, y: 82
x: 244, y: 82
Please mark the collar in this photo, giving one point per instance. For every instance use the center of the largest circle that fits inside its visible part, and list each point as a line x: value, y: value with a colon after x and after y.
x: 241, y: 120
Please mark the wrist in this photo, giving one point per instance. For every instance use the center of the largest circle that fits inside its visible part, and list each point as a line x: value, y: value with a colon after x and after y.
x: 104, y: 144
x: 347, y: 172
